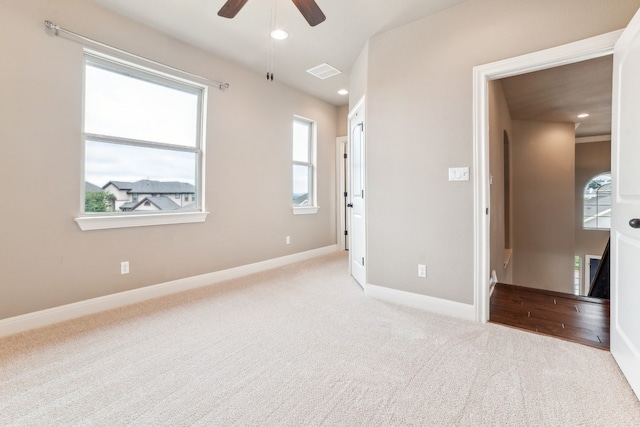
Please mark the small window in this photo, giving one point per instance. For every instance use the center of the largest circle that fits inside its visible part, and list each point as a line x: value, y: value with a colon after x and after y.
x: 304, y: 169
x: 142, y: 132
x: 597, y: 203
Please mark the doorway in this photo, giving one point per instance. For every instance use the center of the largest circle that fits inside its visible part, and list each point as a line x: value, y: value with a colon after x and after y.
x: 556, y: 126
x: 568, y: 54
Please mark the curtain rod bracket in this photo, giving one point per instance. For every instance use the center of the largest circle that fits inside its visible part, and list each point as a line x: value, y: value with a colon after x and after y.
x: 50, y: 25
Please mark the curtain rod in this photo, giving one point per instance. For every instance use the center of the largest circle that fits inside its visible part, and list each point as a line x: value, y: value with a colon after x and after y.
x: 57, y: 30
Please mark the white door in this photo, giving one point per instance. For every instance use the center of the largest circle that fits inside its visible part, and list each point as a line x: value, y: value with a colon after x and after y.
x: 357, y: 240
x: 625, y: 227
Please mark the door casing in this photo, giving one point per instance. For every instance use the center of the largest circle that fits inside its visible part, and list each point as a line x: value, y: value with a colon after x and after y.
x: 357, y: 211
x: 342, y: 180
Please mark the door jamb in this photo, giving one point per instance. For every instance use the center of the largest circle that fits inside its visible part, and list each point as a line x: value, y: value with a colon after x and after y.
x: 342, y: 143
x: 582, y: 50
x: 352, y: 112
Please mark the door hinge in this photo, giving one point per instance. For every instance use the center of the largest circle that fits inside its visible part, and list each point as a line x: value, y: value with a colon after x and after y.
x: 362, y: 194
x: 345, y: 194
x: 363, y: 261
x: 345, y: 155
x: 346, y: 232
x: 487, y: 211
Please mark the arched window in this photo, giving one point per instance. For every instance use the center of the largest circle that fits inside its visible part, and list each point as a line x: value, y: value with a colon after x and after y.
x: 597, y: 202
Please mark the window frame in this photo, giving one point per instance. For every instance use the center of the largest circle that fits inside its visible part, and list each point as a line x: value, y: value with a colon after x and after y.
x: 597, y: 197
x: 312, y: 208
x: 158, y: 74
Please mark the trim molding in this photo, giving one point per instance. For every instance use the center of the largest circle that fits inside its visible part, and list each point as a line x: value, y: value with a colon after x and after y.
x: 423, y: 302
x: 88, y: 223
x: 38, y: 319
x: 597, y: 138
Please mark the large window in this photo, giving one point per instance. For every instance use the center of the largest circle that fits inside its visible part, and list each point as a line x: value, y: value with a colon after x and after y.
x: 597, y: 203
x: 142, y: 138
x: 304, y: 169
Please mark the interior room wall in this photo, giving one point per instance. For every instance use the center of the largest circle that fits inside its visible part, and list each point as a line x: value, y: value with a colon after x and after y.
x: 420, y: 123
x: 342, y: 129
x: 543, y: 204
x: 359, y: 77
x: 499, y: 123
x: 592, y: 159
x: 45, y: 259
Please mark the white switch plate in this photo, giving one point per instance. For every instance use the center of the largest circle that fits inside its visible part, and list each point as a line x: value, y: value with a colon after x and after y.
x: 459, y: 174
x: 422, y: 270
x: 124, y: 267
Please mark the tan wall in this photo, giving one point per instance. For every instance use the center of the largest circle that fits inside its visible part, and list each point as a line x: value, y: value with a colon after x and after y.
x: 420, y: 123
x: 543, y: 204
x: 358, y: 78
x: 46, y: 260
x: 499, y: 123
x: 342, y: 128
x: 591, y: 159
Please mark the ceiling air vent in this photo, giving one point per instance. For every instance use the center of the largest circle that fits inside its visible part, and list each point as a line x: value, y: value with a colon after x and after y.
x: 324, y: 71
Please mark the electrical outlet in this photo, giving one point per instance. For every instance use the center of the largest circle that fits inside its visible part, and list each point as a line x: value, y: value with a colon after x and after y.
x: 422, y: 270
x: 124, y: 267
x: 288, y: 240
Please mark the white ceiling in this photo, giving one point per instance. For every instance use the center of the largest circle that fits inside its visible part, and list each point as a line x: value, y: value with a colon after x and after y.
x: 559, y: 94
x: 245, y: 39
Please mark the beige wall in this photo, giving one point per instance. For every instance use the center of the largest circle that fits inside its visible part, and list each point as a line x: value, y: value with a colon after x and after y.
x: 342, y: 129
x: 358, y: 78
x: 46, y: 260
x: 499, y: 123
x: 419, y: 115
x: 591, y: 159
x: 543, y: 204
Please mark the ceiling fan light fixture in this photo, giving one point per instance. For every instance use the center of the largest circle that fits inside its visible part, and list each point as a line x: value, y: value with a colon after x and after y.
x: 279, y: 34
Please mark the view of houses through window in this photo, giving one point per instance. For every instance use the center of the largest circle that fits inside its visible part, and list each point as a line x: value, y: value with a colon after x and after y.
x: 142, y: 139
x: 143, y: 195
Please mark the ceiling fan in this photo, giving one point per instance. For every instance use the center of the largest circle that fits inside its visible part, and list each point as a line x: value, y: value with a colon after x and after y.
x: 308, y: 8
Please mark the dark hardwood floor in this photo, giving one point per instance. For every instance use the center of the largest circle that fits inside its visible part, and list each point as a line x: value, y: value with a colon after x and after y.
x: 575, y: 318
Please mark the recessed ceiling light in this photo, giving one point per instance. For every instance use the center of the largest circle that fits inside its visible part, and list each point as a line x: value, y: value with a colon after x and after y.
x: 279, y: 34
x: 343, y: 92
x: 583, y: 115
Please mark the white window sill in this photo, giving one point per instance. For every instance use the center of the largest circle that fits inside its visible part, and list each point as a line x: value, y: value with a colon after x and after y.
x: 104, y: 222
x: 305, y: 210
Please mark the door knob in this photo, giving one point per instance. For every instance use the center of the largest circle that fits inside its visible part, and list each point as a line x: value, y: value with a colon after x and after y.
x: 349, y: 205
x: 635, y: 223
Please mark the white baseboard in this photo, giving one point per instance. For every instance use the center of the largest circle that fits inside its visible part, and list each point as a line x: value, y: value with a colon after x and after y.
x: 423, y: 302
x: 38, y: 319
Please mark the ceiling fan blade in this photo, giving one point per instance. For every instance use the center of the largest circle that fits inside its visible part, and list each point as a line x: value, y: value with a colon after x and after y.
x: 231, y: 8
x: 311, y: 11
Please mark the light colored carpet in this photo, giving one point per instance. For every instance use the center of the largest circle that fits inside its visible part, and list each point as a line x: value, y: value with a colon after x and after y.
x: 301, y: 346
